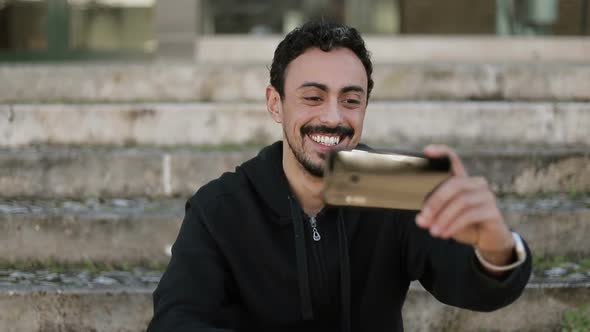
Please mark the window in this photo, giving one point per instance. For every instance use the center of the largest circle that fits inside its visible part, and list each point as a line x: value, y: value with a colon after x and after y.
x: 76, y: 29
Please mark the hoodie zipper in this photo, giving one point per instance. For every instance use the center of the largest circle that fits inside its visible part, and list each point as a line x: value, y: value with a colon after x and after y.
x: 314, y: 229
x: 318, y: 256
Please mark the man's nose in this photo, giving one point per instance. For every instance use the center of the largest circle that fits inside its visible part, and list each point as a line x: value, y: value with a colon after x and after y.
x: 331, y: 114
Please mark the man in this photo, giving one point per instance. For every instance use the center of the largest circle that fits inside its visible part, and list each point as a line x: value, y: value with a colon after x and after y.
x: 259, y: 251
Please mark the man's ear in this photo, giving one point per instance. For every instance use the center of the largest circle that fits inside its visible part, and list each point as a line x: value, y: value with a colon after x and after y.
x: 273, y: 104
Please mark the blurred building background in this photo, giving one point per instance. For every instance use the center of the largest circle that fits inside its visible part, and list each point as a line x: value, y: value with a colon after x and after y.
x: 86, y: 29
x: 113, y: 112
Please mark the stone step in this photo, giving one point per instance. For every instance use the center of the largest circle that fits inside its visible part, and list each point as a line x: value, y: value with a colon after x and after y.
x: 82, y: 301
x: 141, y: 231
x: 117, y: 301
x: 112, y: 232
x: 539, y: 309
x: 541, y: 123
x: 247, y: 49
x: 188, y: 82
x: 79, y: 172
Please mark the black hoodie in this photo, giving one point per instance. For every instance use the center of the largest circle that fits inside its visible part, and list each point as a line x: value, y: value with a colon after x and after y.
x: 245, y: 259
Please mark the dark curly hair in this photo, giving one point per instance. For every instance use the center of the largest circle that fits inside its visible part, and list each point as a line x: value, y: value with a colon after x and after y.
x: 323, y: 35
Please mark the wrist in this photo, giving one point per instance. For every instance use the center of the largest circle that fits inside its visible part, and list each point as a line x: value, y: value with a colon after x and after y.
x: 503, y: 260
x: 501, y: 256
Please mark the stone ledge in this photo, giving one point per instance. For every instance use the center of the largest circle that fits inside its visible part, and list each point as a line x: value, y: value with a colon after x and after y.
x: 130, y: 309
x: 386, y: 49
x: 135, y: 231
x: 189, y: 82
x: 540, y: 308
x: 392, y: 123
x: 62, y: 172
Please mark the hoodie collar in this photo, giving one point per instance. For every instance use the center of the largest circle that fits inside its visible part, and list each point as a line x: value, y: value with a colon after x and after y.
x: 265, y: 173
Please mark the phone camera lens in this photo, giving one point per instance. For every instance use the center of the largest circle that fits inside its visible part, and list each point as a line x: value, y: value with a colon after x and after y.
x: 354, y: 178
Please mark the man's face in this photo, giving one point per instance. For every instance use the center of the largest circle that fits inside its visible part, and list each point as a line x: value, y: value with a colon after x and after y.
x: 324, y: 105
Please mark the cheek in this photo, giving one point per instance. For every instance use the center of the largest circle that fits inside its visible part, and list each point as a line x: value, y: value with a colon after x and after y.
x: 355, y: 119
x: 295, y: 120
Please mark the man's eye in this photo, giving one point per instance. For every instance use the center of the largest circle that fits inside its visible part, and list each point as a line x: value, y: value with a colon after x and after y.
x: 352, y: 101
x: 313, y: 98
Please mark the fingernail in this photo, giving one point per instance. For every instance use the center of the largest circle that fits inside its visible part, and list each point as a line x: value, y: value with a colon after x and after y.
x: 435, y: 230
x: 420, y: 220
x: 431, y: 148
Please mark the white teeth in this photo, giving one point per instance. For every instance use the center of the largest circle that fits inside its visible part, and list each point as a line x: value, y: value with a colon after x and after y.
x: 326, y: 140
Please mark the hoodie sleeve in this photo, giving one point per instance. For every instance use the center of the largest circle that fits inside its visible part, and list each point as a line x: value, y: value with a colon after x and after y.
x: 193, y: 293
x: 450, y: 271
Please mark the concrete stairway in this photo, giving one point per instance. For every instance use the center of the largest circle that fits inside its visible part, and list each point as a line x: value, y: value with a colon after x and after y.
x: 96, y: 161
x: 138, y: 231
x: 121, y: 301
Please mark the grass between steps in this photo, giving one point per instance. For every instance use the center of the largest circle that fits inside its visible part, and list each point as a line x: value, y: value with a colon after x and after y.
x: 545, y: 263
x: 576, y: 320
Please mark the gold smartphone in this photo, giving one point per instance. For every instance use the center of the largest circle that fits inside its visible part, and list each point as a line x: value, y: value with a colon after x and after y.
x: 382, y: 178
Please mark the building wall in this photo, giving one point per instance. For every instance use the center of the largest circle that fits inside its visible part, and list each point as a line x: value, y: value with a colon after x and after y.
x: 475, y: 17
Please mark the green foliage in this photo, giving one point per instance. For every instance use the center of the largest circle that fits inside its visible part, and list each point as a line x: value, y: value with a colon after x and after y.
x: 585, y: 263
x: 544, y: 263
x: 541, y: 263
x: 576, y: 320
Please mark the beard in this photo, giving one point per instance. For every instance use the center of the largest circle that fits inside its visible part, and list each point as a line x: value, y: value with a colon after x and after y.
x: 315, y: 169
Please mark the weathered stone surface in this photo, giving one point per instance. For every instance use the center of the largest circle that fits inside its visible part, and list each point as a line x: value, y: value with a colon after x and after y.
x: 129, y: 309
x: 391, y: 123
x: 572, y: 173
x: 51, y: 172
x: 540, y: 308
x: 82, y: 311
x: 132, y: 231
x: 117, y: 231
x: 159, y: 81
x: 552, y: 226
x: 535, y: 173
x: 548, y: 82
x: 190, y: 171
x: 80, y: 173
x: 387, y: 49
x: 437, y: 81
x: 477, y: 122
x: 189, y: 82
x: 125, y: 124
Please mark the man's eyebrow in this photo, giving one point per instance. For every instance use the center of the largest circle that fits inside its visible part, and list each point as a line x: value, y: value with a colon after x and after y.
x: 353, y: 88
x: 323, y: 87
x: 320, y: 86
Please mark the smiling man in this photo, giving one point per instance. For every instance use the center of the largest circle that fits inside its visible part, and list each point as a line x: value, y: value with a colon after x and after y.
x: 259, y: 251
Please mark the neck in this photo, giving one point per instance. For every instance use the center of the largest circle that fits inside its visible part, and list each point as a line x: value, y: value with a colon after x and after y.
x: 306, y: 187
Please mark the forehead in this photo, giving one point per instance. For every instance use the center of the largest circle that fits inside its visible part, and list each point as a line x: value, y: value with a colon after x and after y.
x: 337, y: 68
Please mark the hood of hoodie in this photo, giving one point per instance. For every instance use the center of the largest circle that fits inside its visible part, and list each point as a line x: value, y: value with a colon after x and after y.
x: 266, y: 175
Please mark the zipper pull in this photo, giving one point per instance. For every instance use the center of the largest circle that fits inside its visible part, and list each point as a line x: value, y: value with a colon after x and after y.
x: 314, y: 229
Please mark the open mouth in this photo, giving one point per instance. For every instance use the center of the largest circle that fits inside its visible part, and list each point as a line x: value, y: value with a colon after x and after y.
x: 326, y: 140
x: 327, y: 137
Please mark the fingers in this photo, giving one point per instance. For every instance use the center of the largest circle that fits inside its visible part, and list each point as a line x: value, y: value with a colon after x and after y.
x: 460, y: 209
x: 453, y: 212
x: 468, y: 218
x: 436, y: 150
x: 456, y: 188
x: 463, y: 208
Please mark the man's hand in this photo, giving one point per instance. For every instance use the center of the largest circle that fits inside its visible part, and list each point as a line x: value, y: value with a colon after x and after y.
x: 464, y: 208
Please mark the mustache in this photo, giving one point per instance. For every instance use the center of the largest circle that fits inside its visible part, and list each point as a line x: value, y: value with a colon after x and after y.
x: 321, y: 129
